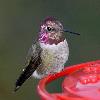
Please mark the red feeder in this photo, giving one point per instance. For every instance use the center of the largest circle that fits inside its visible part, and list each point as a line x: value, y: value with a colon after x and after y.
x: 82, y: 82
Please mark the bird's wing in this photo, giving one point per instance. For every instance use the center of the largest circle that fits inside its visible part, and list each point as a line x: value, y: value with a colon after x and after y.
x: 33, y: 61
x: 33, y: 53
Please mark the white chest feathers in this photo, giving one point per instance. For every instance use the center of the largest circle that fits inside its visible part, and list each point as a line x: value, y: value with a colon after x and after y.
x: 54, y: 56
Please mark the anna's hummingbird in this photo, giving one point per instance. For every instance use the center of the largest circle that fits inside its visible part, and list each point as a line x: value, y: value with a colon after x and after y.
x: 48, y: 54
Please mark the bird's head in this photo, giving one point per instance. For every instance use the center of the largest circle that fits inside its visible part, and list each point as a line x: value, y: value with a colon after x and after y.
x: 52, y: 32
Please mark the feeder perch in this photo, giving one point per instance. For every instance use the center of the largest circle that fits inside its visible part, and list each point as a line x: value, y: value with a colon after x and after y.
x: 82, y: 82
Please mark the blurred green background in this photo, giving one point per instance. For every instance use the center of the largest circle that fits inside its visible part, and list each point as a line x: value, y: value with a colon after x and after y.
x: 19, y: 24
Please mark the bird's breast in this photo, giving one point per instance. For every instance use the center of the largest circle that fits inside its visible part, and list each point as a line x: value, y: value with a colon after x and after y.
x: 54, y: 55
x: 53, y: 58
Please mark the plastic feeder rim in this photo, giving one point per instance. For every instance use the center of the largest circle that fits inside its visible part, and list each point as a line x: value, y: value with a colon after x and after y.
x: 82, y: 82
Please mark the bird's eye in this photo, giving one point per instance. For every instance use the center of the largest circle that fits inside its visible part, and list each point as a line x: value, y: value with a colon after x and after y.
x: 49, y: 28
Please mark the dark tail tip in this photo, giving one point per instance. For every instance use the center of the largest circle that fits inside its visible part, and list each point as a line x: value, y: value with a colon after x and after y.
x: 16, y: 88
x: 23, y: 77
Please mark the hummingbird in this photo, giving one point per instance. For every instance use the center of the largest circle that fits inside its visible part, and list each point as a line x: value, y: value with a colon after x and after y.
x: 48, y: 53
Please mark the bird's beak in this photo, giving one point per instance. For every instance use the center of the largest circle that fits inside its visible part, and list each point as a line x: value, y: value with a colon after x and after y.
x: 71, y: 32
